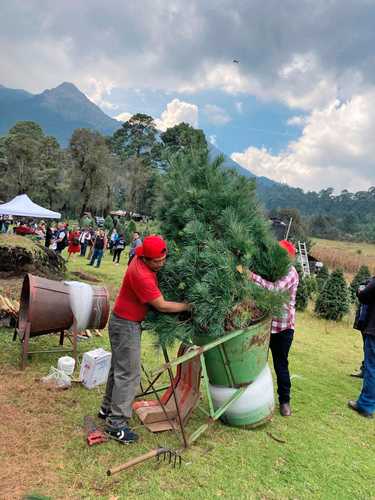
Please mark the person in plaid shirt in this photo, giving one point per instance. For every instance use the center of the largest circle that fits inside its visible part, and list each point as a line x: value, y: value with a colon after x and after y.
x: 282, y: 328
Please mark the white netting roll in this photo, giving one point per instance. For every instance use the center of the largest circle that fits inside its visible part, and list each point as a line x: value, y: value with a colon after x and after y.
x: 81, y: 299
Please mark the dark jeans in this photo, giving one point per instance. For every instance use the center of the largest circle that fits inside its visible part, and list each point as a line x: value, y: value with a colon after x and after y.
x: 280, y: 344
x: 125, y: 373
x: 83, y: 249
x: 117, y: 254
x: 366, y: 400
x: 97, y: 255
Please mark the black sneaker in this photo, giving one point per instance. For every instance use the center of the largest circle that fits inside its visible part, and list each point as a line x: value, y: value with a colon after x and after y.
x: 124, y: 434
x: 103, y: 413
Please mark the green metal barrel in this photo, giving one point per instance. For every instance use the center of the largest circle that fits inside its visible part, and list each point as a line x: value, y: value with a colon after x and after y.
x: 240, y: 360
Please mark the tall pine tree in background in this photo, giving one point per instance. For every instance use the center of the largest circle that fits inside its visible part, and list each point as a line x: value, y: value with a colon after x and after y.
x: 215, y: 229
x: 362, y: 275
x: 333, y: 300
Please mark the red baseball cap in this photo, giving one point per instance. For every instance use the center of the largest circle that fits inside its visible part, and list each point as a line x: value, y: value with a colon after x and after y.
x: 289, y: 247
x: 154, y: 247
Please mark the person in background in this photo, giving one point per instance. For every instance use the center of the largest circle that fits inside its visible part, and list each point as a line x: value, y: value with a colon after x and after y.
x: 282, y: 328
x: 91, y: 242
x: 49, y: 234
x: 73, y: 242
x: 138, y: 291
x: 365, y: 404
x: 84, y: 239
x: 61, y: 237
x: 118, y: 248
x: 112, y: 240
x: 99, y: 245
x: 40, y: 231
x: 136, y: 242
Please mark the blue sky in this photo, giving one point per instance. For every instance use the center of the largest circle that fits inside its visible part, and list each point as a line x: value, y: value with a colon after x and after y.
x: 298, y: 108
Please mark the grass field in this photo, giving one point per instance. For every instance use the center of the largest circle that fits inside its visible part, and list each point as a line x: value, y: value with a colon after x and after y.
x: 327, y: 450
x: 348, y: 256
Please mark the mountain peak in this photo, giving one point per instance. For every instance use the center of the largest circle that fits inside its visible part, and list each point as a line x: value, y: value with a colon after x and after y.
x: 65, y: 89
x: 68, y: 86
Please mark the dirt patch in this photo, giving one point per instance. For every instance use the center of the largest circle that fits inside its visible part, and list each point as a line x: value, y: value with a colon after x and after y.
x: 18, y: 255
x: 27, y: 451
x: 86, y: 276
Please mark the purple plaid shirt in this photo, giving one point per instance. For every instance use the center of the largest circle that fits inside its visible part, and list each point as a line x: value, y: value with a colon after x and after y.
x: 288, y: 283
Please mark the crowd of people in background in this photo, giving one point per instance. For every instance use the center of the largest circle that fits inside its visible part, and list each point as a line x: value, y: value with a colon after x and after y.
x: 86, y: 242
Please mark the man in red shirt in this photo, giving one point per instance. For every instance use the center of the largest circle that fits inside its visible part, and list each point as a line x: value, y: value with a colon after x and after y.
x: 138, y: 291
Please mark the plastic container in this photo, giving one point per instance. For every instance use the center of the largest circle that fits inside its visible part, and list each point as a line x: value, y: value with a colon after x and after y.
x: 238, y: 361
x: 66, y: 364
x: 95, y: 367
x: 255, y: 406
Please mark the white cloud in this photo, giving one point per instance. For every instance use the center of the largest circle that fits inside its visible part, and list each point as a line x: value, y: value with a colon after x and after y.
x: 177, y: 112
x: 216, y: 115
x: 297, y: 121
x: 123, y: 117
x: 336, y: 149
x: 99, y: 92
x: 212, y: 139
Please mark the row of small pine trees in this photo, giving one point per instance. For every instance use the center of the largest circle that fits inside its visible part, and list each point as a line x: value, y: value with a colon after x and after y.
x: 333, y: 295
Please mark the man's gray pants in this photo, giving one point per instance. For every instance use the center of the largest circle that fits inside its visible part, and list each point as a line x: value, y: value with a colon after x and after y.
x: 125, y: 372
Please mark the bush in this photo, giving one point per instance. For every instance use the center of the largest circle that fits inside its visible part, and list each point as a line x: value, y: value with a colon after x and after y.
x: 311, y: 285
x: 322, y: 277
x: 302, y: 298
x: 86, y: 222
x: 333, y: 300
x: 362, y: 275
x: 108, y: 224
x: 130, y: 229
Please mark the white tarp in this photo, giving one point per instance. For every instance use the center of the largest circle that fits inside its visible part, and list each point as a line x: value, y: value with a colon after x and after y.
x: 22, y: 206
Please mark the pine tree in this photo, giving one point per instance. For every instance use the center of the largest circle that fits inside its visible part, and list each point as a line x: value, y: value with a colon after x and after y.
x: 362, y: 275
x: 311, y: 285
x: 108, y: 224
x: 302, y: 297
x: 322, y: 277
x: 212, y: 222
x: 333, y: 300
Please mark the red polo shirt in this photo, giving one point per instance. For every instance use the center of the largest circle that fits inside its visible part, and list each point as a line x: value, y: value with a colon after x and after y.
x: 139, y: 286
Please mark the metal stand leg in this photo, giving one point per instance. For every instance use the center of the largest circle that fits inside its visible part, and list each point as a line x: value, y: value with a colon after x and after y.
x: 25, y: 346
x: 181, y: 424
x: 62, y: 337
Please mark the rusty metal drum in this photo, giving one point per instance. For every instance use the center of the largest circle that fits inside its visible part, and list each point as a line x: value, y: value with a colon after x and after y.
x: 45, y: 305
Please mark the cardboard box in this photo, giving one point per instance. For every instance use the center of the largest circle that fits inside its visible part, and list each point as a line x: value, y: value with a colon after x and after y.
x: 95, y: 367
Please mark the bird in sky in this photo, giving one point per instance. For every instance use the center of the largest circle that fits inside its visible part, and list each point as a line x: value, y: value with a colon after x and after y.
x: 236, y: 61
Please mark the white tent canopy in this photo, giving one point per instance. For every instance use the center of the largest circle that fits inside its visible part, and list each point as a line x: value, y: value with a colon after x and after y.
x: 22, y: 206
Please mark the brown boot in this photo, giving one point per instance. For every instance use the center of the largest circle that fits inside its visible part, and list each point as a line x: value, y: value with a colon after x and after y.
x: 285, y: 410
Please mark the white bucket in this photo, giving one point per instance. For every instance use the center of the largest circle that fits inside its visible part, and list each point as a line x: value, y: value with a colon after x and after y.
x: 66, y: 364
x: 254, y: 406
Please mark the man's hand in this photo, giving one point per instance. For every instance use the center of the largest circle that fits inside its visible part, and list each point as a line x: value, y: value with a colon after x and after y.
x: 166, y: 306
